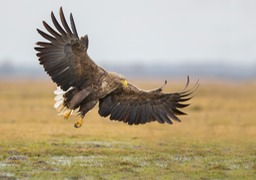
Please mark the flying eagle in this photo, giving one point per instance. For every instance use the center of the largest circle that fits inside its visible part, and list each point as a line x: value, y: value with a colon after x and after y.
x: 82, y: 83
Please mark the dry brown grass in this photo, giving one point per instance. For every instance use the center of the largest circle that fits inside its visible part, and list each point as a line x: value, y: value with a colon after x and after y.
x: 221, y: 123
x: 220, y: 110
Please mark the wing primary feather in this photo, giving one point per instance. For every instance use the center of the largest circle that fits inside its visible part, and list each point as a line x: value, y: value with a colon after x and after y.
x: 178, y: 105
x: 64, y: 22
x: 119, y: 112
x: 139, y: 114
x: 143, y: 117
x: 170, y: 113
x: 130, y: 119
x: 115, y: 111
x: 187, y: 83
x: 125, y: 113
x: 126, y: 120
x: 163, y: 116
x: 46, y: 36
x: 39, y: 49
x: 186, y: 93
x: 105, y: 107
x: 73, y: 26
x: 193, y: 89
x: 178, y: 112
x: 156, y: 115
x: 156, y: 118
x: 147, y: 113
x: 43, y: 44
x: 50, y: 30
x: 57, y: 25
x: 184, y: 99
x: 151, y: 113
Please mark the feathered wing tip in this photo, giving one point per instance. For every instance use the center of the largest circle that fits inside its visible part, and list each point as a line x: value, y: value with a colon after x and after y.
x: 185, y: 95
x: 178, y: 101
x: 188, y: 92
x: 59, y: 103
x: 84, y: 39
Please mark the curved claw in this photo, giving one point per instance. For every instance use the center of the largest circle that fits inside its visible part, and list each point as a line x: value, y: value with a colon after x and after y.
x: 79, y: 123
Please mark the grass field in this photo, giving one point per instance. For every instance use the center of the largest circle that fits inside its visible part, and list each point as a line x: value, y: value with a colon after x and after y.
x: 217, y: 140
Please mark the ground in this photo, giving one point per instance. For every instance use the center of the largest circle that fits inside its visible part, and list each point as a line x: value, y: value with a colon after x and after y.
x: 217, y: 140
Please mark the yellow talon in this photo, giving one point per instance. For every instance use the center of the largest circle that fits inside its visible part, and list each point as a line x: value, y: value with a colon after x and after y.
x: 79, y: 123
x: 67, y: 114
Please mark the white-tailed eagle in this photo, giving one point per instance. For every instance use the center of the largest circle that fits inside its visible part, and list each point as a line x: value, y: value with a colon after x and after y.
x: 82, y: 83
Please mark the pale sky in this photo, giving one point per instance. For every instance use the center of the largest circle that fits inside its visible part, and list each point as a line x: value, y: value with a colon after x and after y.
x: 138, y: 31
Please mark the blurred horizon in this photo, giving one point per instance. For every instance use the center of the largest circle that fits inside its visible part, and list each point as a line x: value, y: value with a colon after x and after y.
x: 140, y: 70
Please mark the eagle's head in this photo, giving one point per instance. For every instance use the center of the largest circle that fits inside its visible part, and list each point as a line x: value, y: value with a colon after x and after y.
x: 119, y: 79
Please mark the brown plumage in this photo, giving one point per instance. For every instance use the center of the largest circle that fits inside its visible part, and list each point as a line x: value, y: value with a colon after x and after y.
x: 82, y: 83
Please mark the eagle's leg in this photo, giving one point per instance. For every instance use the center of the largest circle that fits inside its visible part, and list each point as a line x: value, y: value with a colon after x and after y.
x: 84, y: 108
x: 67, y: 114
x: 79, y: 123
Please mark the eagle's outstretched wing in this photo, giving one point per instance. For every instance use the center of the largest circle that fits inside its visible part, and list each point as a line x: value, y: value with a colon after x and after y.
x: 134, y: 106
x: 65, y: 57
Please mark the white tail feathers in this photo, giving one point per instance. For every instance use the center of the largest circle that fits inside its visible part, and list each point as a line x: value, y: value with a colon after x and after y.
x: 59, y: 103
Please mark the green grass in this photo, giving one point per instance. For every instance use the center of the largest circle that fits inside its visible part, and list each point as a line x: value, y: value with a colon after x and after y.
x: 181, y: 158
x: 217, y: 140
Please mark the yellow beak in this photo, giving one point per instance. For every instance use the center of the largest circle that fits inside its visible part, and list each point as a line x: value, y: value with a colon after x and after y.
x: 124, y: 82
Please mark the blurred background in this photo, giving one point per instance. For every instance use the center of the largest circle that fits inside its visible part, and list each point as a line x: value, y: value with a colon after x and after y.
x: 200, y: 38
